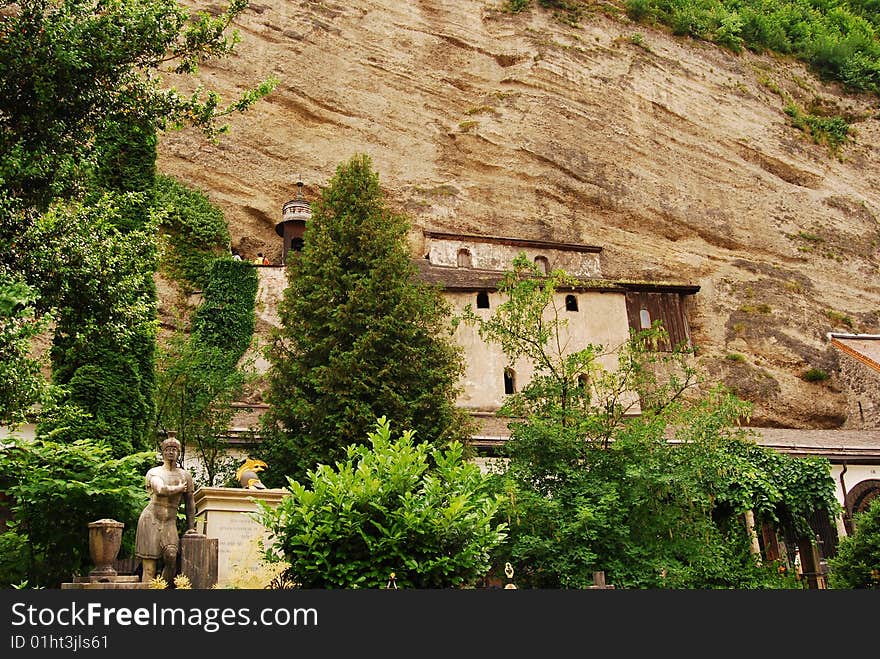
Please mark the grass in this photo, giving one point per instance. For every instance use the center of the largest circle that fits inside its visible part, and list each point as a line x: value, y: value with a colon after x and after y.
x: 839, y: 318
x: 814, y: 375
x: 756, y: 308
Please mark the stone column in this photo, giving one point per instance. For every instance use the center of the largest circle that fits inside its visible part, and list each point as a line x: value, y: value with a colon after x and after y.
x: 198, y: 560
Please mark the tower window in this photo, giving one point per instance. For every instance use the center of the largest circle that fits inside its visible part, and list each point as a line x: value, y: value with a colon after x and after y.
x: 644, y: 319
x: 296, y: 244
x: 464, y: 258
x: 571, y: 303
x: 482, y: 300
x: 543, y: 264
x: 509, y: 381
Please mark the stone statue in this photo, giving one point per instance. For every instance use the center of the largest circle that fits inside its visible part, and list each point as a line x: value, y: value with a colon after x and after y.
x: 156, y: 539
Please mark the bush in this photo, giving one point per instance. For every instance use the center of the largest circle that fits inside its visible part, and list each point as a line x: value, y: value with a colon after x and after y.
x: 385, y: 510
x: 53, y: 491
x: 814, y: 375
x: 857, y: 563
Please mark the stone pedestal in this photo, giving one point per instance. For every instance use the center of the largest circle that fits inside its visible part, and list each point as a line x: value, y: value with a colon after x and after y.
x: 198, y: 560
x: 225, y: 514
x: 119, y: 582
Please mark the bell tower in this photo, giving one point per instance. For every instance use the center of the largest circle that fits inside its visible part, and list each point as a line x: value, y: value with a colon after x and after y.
x: 294, y: 215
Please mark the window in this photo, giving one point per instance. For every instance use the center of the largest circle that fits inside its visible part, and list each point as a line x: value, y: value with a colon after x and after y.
x: 296, y: 244
x: 543, y: 264
x: 644, y: 319
x: 571, y: 303
x: 482, y: 300
x: 509, y: 381
x: 464, y: 258
x: 583, y: 381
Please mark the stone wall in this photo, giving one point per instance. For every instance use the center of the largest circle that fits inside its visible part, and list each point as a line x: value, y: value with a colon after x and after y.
x: 863, y: 393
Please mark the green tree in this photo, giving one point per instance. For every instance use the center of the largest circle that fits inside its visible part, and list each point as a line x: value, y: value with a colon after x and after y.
x: 82, y: 95
x: 857, y: 563
x: 593, y: 481
x: 394, y: 506
x: 200, y: 370
x: 196, y: 386
x: 21, y: 382
x: 53, y: 490
x: 361, y: 335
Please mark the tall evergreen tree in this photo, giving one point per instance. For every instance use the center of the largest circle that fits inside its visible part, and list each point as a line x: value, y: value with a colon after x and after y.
x: 362, y: 337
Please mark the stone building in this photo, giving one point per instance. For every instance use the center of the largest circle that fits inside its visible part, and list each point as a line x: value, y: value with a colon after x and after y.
x: 597, y: 311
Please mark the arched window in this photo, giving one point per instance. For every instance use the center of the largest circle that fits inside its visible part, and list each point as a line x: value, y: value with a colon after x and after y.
x: 583, y: 381
x: 482, y: 300
x: 644, y: 319
x: 543, y: 264
x: 509, y: 381
x: 464, y: 258
x: 571, y: 303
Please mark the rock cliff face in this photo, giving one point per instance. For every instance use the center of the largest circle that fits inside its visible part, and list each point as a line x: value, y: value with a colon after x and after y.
x: 673, y: 155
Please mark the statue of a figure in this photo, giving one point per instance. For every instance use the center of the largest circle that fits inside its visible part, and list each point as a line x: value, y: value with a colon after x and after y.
x: 156, y: 539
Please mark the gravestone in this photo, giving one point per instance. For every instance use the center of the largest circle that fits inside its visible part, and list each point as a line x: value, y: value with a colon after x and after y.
x: 225, y: 514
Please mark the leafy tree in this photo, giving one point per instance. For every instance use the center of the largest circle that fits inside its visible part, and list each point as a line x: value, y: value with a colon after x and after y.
x: 82, y: 95
x: 593, y: 481
x: 393, y: 507
x: 75, y: 75
x: 53, y: 491
x: 196, y: 386
x: 21, y: 382
x: 857, y: 563
x: 200, y: 373
x: 361, y: 335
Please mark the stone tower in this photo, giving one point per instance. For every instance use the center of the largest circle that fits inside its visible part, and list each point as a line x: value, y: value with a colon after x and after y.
x: 294, y: 215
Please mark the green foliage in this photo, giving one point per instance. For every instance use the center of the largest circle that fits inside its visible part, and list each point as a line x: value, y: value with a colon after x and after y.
x: 516, y: 6
x: 833, y: 132
x: 21, y: 383
x: 857, y: 563
x: 71, y: 70
x: 839, y: 318
x: 199, y: 373
x: 103, y: 344
x: 361, y: 335
x: 394, y: 506
x: 839, y: 38
x: 81, y: 98
x: 225, y: 319
x: 635, y: 470
x: 196, y: 385
x: 53, y: 491
x: 196, y: 229
x: 814, y: 375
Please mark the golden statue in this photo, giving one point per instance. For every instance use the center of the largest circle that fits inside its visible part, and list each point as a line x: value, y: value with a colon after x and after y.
x: 247, y: 474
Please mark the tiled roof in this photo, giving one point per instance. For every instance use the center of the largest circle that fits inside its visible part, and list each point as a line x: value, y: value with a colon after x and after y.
x: 516, y: 242
x: 837, y: 445
x: 852, y: 446
x: 473, y: 279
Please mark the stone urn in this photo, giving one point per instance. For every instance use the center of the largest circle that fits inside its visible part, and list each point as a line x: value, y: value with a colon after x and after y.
x: 105, y: 540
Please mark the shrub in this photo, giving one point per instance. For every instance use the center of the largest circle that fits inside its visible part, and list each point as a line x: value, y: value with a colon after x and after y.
x: 814, y: 375
x: 385, y: 510
x: 857, y: 563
